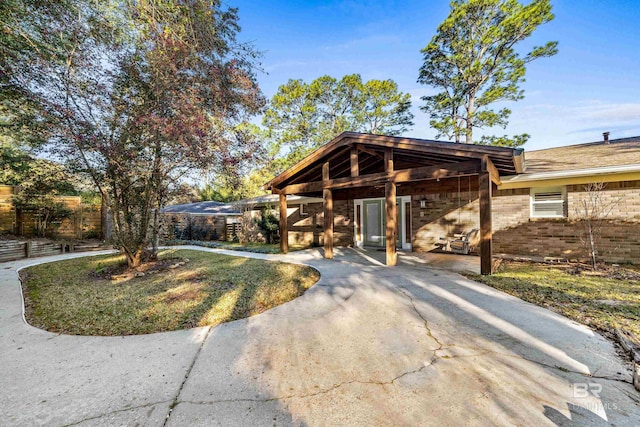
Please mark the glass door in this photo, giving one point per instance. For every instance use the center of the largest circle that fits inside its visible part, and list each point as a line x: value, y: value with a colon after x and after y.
x: 373, y: 223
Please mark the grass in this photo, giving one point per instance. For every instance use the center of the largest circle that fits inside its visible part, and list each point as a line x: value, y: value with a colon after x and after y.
x: 72, y: 297
x: 262, y: 248
x: 603, y: 303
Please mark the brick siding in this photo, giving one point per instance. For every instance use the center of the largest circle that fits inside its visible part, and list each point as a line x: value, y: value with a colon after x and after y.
x: 307, y: 230
x: 514, y: 232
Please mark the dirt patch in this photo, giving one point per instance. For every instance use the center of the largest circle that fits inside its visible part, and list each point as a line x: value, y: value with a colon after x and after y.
x: 122, y: 272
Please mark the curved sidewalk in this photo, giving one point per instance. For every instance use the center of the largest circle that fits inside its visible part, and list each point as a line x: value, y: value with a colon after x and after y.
x: 366, y: 345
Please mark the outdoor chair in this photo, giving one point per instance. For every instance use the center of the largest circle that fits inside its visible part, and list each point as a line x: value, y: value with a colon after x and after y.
x: 461, y: 243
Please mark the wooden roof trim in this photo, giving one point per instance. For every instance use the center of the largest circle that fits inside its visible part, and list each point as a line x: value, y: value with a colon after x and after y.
x: 412, y: 144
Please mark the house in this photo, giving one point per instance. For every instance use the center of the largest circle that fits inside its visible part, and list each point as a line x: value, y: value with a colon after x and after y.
x: 211, y: 220
x: 407, y: 193
x: 207, y: 220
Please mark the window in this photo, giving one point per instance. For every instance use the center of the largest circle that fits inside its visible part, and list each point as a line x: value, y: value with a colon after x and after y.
x: 549, y: 202
x: 303, y: 209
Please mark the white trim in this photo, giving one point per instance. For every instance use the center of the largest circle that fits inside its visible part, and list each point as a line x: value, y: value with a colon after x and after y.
x: 401, y: 207
x: 537, y: 190
x: 540, y: 176
x: 303, y: 209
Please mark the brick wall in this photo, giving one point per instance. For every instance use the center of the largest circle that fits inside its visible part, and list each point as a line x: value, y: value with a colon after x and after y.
x: 443, y: 215
x: 307, y: 230
x: 514, y: 232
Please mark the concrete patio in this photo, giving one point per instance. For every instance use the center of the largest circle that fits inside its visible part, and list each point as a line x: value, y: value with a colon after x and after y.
x: 367, y: 345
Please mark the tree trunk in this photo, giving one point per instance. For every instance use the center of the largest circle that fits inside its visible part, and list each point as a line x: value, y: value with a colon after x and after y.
x: 471, y: 108
x: 105, y: 229
x: 134, y: 259
x: 592, y: 248
x: 155, y: 234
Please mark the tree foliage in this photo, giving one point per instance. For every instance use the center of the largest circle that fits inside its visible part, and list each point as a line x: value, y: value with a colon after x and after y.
x: 39, y: 182
x: 32, y: 32
x: 147, y: 90
x: 473, y: 61
x: 303, y: 116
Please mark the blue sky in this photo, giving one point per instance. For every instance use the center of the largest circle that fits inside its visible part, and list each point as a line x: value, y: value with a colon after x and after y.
x: 592, y: 85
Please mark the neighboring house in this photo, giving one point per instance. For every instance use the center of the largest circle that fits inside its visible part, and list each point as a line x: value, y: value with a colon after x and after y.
x: 212, y: 220
x: 522, y: 203
x: 200, y: 221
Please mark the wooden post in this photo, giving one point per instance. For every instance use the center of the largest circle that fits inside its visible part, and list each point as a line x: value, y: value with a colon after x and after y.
x: 486, y: 255
x: 388, y: 160
x: 327, y: 201
x: 284, y: 233
x: 391, y: 211
x: 27, y: 249
x: 392, y: 217
x: 355, y: 168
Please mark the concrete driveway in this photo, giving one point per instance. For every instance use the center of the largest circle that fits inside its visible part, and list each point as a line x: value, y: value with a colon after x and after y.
x: 367, y: 345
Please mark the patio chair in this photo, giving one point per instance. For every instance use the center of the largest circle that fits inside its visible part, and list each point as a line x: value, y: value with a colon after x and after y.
x: 462, y: 243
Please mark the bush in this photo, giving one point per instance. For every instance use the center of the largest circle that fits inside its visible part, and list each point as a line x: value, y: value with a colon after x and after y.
x: 269, y: 225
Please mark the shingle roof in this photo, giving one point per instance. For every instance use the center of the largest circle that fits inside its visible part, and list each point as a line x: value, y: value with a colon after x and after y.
x: 208, y: 208
x: 234, y: 208
x: 617, y: 152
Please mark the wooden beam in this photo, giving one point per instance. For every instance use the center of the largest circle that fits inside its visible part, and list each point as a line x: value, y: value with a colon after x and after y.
x: 397, y: 177
x: 392, y: 218
x: 488, y: 166
x: 364, y: 149
x: 410, y: 144
x: 486, y: 253
x: 327, y: 203
x: 355, y: 167
x: 284, y: 234
x: 388, y: 160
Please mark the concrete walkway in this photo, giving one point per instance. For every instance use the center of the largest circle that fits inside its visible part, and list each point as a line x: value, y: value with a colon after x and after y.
x: 367, y: 345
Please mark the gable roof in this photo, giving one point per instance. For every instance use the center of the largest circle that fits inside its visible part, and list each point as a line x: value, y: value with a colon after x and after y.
x: 612, y: 161
x: 617, y: 152
x: 234, y: 208
x: 408, y: 151
x: 204, y: 208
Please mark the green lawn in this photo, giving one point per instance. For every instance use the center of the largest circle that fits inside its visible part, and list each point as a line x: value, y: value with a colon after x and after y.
x: 263, y: 248
x: 77, y: 296
x: 601, y: 302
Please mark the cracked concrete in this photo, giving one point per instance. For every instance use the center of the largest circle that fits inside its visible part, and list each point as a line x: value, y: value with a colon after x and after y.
x: 366, y: 345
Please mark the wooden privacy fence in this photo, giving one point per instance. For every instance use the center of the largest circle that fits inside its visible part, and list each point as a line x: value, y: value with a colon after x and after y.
x: 84, y: 222
x: 11, y: 250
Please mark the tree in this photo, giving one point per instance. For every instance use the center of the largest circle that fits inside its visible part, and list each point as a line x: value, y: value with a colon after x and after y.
x: 39, y: 181
x: 32, y: 33
x: 301, y: 117
x: 137, y: 107
x: 592, y: 211
x: 473, y: 62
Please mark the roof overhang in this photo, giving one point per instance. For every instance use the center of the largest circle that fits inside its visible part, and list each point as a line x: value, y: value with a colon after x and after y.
x: 571, y: 177
x: 410, y: 152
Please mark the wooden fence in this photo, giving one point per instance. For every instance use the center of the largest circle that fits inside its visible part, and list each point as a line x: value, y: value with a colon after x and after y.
x: 11, y: 250
x: 84, y: 222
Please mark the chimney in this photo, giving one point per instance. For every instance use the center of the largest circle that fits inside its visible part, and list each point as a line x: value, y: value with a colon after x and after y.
x: 606, y: 137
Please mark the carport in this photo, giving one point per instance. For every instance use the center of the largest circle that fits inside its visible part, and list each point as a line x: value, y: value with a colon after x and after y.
x: 356, y: 165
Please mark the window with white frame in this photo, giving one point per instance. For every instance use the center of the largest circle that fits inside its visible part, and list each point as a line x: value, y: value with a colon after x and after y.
x: 549, y: 202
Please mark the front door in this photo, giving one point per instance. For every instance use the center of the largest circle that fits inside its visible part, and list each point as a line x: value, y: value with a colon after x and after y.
x: 374, y: 231
x: 374, y: 223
